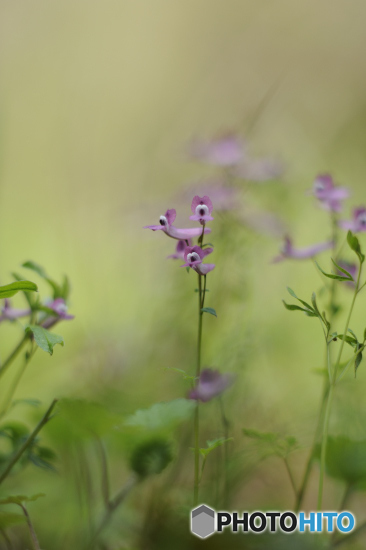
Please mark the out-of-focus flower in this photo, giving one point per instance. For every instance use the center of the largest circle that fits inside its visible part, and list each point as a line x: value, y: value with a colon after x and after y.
x: 225, y: 150
x: 230, y: 151
x: 329, y: 194
x: 166, y: 224
x: 259, y: 170
x: 179, y: 250
x: 210, y: 384
x: 358, y: 222
x: 352, y: 270
x: 201, y: 208
x: 288, y: 251
x: 60, y: 308
x: 194, y: 255
x: 9, y: 313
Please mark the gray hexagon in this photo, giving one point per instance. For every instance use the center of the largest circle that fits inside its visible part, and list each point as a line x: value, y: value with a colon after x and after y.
x: 203, y: 521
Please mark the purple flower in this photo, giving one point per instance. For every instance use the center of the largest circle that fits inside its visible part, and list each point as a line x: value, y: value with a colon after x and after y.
x: 60, y: 309
x: 351, y: 268
x: 9, y: 313
x: 224, y: 197
x: 210, y: 384
x: 358, y: 222
x: 179, y: 250
x: 201, y: 208
x: 226, y: 150
x: 259, y: 170
x: 194, y: 255
x: 166, y: 222
x: 288, y: 251
x: 329, y: 195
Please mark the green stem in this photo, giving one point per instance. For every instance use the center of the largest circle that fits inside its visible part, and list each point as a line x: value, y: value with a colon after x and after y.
x: 28, y: 441
x: 290, y: 475
x: 197, y: 412
x: 112, y: 507
x: 32, y: 532
x: 330, y: 396
x: 13, y: 355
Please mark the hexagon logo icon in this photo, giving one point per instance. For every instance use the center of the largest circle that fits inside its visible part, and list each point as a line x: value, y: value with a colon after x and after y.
x: 203, y: 521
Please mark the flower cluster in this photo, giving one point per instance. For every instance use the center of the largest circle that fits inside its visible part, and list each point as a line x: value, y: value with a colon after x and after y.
x: 193, y: 256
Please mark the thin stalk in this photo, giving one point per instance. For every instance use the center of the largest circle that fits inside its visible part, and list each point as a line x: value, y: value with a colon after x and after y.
x: 225, y: 426
x: 16, y: 382
x: 112, y: 507
x: 197, y: 411
x: 290, y: 475
x: 330, y: 396
x: 13, y: 355
x: 28, y: 441
x: 32, y: 532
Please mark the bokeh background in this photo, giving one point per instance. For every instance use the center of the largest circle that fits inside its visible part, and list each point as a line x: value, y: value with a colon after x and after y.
x: 98, y: 101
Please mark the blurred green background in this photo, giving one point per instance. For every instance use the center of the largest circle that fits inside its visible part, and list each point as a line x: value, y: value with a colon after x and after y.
x: 98, y: 101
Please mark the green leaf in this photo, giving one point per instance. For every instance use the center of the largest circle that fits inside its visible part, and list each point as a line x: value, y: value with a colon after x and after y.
x: 292, y: 293
x: 346, y: 460
x: 342, y: 270
x: 332, y: 276
x: 8, y: 519
x: 348, y: 339
x: 7, y: 291
x: 211, y: 445
x: 358, y: 358
x: 272, y: 443
x: 209, y: 310
x: 19, y: 499
x: 57, y: 289
x: 182, y: 372
x: 293, y: 307
x: 162, y: 415
x: 44, y: 339
x: 354, y: 244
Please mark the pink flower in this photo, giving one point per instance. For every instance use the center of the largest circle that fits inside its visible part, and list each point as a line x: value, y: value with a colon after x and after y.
x: 194, y: 255
x: 210, y: 384
x: 226, y: 150
x: 288, y: 251
x: 259, y: 170
x: 329, y: 195
x: 9, y: 313
x: 166, y: 225
x: 179, y: 250
x: 358, y: 222
x: 201, y: 208
x: 60, y: 309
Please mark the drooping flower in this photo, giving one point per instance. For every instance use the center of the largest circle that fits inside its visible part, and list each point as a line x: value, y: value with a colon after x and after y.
x: 201, y: 208
x: 166, y: 225
x: 289, y: 251
x: 179, y: 250
x: 8, y: 313
x: 225, y: 150
x: 194, y: 256
x: 210, y: 384
x: 358, y: 221
x: 59, y: 307
x: 329, y: 194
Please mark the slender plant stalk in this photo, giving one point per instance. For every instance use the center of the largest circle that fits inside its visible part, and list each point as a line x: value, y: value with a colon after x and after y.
x: 32, y: 532
x: 197, y: 410
x: 290, y: 475
x: 28, y: 441
x: 330, y: 396
x: 4, y: 367
x: 112, y: 507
